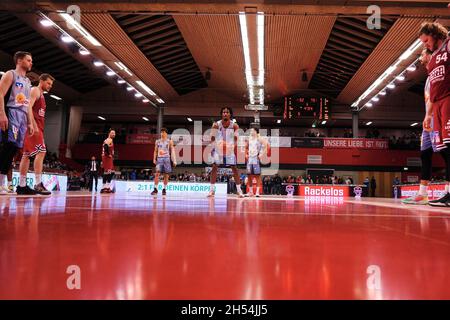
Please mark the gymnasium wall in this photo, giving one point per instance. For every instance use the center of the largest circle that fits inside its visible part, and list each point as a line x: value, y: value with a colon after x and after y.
x: 289, y: 157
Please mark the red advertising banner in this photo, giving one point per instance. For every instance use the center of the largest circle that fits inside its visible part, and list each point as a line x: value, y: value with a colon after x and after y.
x: 324, y: 191
x: 435, y: 191
x: 141, y: 138
x: 346, y: 143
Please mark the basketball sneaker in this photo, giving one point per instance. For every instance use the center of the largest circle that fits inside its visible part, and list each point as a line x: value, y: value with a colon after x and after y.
x: 40, y: 189
x: 250, y: 194
x: 154, y: 192
x: 442, y: 202
x: 25, y: 191
x: 10, y: 189
x: 417, y: 199
x: 211, y: 194
x: 164, y: 192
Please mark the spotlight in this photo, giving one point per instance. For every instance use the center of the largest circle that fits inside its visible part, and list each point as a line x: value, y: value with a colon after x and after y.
x: 67, y: 39
x: 46, y: 22
x: 391, y: 86
x: 304, y: 76
x: 83, y: 52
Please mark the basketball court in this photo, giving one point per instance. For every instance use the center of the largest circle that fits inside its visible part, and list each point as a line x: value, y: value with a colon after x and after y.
x: 288, y: 136
x: 139, y: 247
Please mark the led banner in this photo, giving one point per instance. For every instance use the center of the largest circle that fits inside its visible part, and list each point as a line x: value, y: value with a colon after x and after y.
x: 52, y: 182
x: 324, y: 191
x: 346, y: 143
x: 307, y: 142
x: 435, y: 191
x: 307, y: 190
x: 141, y: 138
x: 173, y: 188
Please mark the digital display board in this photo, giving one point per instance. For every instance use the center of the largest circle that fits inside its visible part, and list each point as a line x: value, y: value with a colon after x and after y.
x: 296, y: 107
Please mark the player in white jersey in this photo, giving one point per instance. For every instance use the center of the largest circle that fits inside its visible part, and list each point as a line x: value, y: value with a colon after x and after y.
x: 161, y: 157
x: 255, y: 149
x: 224, y: 136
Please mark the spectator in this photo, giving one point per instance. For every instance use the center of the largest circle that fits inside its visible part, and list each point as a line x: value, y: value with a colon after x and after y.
x: 277, y: 182
x: 373, y: 186
x: 396, y: 181
x: 367, y: 182
x: 93, y: 173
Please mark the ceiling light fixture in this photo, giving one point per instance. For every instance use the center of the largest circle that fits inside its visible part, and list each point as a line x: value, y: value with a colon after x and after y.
x: 84, y: 52
x: 75, y: 24
x: 408, y: 52
x: 146, y: 88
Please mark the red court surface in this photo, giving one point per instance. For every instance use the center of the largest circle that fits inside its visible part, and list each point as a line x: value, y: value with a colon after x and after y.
x: 137, y: 247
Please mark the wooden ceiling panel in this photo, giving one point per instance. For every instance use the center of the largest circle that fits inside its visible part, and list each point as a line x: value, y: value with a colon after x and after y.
x: 293, y: 44
x: 109, y: 33
x: 399, y: 37
x: 215, y: 43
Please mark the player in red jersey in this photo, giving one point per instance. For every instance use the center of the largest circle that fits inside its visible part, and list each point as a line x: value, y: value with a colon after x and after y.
x: 34, y: 146
x: 107, y: 162
x: 435, y: 38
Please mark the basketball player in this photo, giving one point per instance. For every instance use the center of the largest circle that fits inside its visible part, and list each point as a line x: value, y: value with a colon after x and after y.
x: 107, y: 161
x: 34, y: 145
x: 15, y: 111
x: 427, y: 145
x: 255, y: 148
x: 434, y: 37
x: 164, y: 149
x: 224, y: 136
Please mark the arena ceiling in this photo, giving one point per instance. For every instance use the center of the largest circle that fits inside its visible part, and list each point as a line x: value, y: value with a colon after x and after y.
x: 191, y: 55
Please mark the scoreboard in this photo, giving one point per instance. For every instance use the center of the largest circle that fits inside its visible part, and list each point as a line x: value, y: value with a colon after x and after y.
x: 303, y: 107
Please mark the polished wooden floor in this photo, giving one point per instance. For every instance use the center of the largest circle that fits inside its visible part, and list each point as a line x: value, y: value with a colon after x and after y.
x: 137, y: 247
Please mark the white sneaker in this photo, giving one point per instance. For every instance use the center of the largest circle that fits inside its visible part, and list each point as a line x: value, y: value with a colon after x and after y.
x: 3, y: 190
x: 257, y: 195
x: 250, y: 194
x: 240, y: 194
x: 211, y: 194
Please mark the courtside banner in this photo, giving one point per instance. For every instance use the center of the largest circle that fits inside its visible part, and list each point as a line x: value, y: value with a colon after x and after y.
x: 435, y: 191
x: 51, y: 182
x: 141, y: 138
x: 173, y: 188
x: 345, y: 143
x: 324, y: 191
